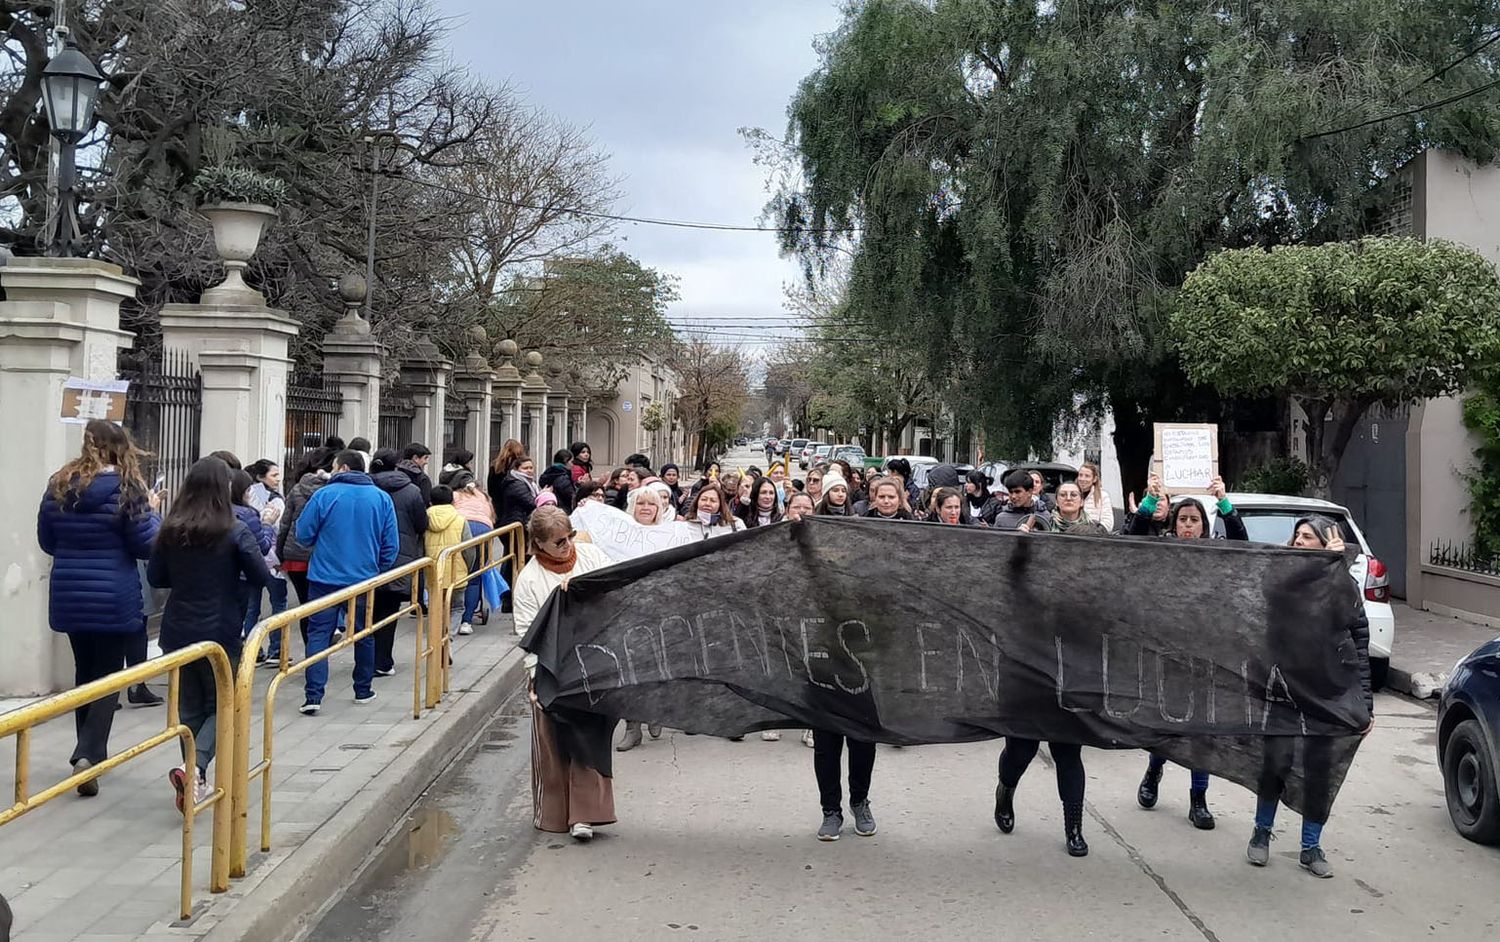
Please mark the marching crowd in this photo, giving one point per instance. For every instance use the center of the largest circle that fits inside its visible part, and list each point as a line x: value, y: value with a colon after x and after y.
x: 234, y: 535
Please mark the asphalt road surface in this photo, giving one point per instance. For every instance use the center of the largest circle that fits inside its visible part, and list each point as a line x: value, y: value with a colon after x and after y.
x: 715, y: 841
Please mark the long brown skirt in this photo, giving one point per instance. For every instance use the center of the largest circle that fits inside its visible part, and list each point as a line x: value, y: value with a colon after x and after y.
x: 563, y: 793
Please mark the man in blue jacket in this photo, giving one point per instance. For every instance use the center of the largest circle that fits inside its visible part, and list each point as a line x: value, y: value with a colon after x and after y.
x: 351, y: 526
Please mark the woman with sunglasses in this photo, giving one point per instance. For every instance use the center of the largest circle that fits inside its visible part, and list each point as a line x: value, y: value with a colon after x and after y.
x: 567, y: 796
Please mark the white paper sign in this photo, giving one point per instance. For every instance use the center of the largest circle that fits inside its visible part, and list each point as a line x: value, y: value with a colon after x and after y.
x: 616, y: 533
x: 1188, y: 456
x: 87, y: 399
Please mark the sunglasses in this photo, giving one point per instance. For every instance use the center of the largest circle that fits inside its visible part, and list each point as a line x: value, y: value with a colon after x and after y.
x: 563, y: 541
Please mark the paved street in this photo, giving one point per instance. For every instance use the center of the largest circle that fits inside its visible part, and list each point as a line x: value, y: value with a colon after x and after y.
x: 715, y: 841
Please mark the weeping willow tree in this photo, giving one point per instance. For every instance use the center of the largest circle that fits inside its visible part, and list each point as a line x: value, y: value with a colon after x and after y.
x: 1022, y: 185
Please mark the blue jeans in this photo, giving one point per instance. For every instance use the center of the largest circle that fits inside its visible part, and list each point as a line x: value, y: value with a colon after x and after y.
x: 474, y: 591
x: 1200, y: 779
x: 277, y: 590
x: 320, y: 635
x: 1265, y: 817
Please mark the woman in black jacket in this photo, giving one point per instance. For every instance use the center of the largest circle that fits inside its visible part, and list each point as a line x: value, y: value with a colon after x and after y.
x: 518, y: 493
x: 201, y: 555
x: 1279, y: 752
x: 559, y: 477
x: 1187, y: 520
x: 411, y: 528
x: 888, y: 500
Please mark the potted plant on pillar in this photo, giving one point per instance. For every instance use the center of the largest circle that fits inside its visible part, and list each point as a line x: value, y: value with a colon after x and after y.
x: 239, y: 203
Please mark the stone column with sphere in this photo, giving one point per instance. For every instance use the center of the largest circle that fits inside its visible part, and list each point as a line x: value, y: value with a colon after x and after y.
x: 474, y: 382
x: 506, y: 396
x: 534, y: 390
x: 352, y: 360
x: 425, y: 372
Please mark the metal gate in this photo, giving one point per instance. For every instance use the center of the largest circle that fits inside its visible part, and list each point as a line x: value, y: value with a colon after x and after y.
x: 397, y: 410
x: 162, y: 412
x: 312, y: 417
x: 1372, y: 483
x: 455, y: 422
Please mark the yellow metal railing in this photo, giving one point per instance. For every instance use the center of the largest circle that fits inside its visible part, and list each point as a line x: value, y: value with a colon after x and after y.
x: 19, y: 724
x: 244, y: 772
x: 439, y: 667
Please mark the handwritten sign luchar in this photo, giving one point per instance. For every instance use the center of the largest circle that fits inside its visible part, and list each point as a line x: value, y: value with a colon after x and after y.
x: 1187, y: 456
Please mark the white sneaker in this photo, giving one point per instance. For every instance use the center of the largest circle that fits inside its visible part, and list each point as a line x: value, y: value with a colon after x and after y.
x: 771, y: 735
x: 201, y: 791
x: 807, y: 739
x: 465, y: 628
x: 582, y: 832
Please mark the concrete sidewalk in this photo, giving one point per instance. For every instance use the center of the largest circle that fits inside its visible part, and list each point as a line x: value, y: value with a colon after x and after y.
x: 1426, y: 648
x: 108, y: 868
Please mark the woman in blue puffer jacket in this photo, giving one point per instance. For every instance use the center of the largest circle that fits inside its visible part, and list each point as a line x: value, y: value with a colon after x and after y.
x: 97, y: 519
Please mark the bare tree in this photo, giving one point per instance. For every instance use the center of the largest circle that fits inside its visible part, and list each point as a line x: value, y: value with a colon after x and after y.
x: 712, y: 385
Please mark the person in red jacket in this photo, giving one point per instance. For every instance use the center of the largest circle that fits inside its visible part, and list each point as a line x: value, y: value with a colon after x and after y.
x: 583, y: 461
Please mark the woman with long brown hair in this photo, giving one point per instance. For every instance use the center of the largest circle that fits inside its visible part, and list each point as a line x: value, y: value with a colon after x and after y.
x: 1095, y: 499
x: 98, y: 517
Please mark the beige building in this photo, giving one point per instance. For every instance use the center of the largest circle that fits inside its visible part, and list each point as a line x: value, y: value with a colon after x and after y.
x: 1444, y: 196
x: 639, y: 417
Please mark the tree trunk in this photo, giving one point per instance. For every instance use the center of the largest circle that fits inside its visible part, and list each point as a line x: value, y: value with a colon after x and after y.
x: 1133, y: 445
x: 1320, y: 469
x: 1329, y: 457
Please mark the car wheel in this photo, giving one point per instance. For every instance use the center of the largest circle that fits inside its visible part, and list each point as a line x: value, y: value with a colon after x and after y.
x: 1380, y: 669
x: 1469, y: 782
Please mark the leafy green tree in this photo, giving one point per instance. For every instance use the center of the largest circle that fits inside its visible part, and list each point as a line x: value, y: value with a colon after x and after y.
x: 1339, y: 327
x: 1022, y: 184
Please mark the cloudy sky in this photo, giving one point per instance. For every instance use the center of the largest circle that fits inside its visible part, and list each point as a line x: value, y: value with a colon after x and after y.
x: 663, y: 85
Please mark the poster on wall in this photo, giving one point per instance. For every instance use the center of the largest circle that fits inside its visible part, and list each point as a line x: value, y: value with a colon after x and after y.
x: 1187, y: 456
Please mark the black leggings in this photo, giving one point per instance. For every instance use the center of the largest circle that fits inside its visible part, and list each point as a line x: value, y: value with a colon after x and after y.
x: 827, y: 759
x: 1068, y: 758
x: 298, y: 579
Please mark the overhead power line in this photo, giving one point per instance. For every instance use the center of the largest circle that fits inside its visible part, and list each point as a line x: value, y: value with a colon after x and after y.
x: 1463, y: 57
x: 1452, y: 99
x: 613, y: 217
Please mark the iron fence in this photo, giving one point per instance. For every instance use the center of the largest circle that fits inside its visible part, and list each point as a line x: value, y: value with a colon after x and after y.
x: 312, y: 417
x: 455, y: 422
x: 1463, y: 556
x: 163, y: 408
x: 397, y: 410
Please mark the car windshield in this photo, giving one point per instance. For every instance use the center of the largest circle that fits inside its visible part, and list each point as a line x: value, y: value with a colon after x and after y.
x: 1274, y: 524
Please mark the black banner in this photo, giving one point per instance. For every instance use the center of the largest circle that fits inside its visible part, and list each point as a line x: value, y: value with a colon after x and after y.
x: 1234, y: 658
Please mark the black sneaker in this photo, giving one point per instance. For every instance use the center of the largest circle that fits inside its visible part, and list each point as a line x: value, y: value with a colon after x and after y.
x: 141, y: 695
x: 833, y: 823
x: 864, y: 821
x: 1315, y: 863
x: 310, y: 708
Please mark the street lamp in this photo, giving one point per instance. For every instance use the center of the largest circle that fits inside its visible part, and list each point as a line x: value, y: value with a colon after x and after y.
x: 381, y: 148
x: 70, y: 86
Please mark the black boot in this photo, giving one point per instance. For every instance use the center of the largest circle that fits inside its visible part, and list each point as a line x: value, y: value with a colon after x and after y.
x: 1073, y: 829
x: 1005, y: 811
x: 1198, y: 812
x: 1145, y: 796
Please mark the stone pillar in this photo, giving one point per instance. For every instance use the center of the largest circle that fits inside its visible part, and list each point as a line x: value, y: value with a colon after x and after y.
x: 534, y: 390
x: 557, y: 410
x: 473, y: 382
x: 241, y: 351
x: 352, y: 362
x: 425, y: 372
x: 61, y: 318
x: 507, y: 393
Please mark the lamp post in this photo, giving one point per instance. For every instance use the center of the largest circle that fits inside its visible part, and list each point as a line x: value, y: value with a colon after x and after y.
x: 70, y: 87
x: 381, y: 149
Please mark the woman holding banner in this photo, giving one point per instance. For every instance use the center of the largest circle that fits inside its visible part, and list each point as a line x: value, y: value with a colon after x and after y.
x: 1187, y: 520
x: 1279, y: 751
x: 567, y: 794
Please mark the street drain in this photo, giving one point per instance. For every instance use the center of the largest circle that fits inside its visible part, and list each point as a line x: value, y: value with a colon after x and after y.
x: 355, y: 746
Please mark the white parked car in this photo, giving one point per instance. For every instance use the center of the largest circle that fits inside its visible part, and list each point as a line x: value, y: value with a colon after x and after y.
x: 1269, y: 518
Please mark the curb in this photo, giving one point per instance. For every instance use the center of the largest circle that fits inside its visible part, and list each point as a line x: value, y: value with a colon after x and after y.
x: 1421, y: 685
x: 278, y: 908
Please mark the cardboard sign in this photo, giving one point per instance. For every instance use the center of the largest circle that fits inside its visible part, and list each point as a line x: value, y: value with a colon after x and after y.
x: 617, y: 533
x: 85, y: 400
x: 1187, y: 456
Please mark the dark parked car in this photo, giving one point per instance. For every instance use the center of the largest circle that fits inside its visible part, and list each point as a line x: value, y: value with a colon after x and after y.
x: 1469, y: 744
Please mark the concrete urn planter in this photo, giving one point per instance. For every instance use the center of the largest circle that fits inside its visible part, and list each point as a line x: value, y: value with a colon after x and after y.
x: 237, y: 231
